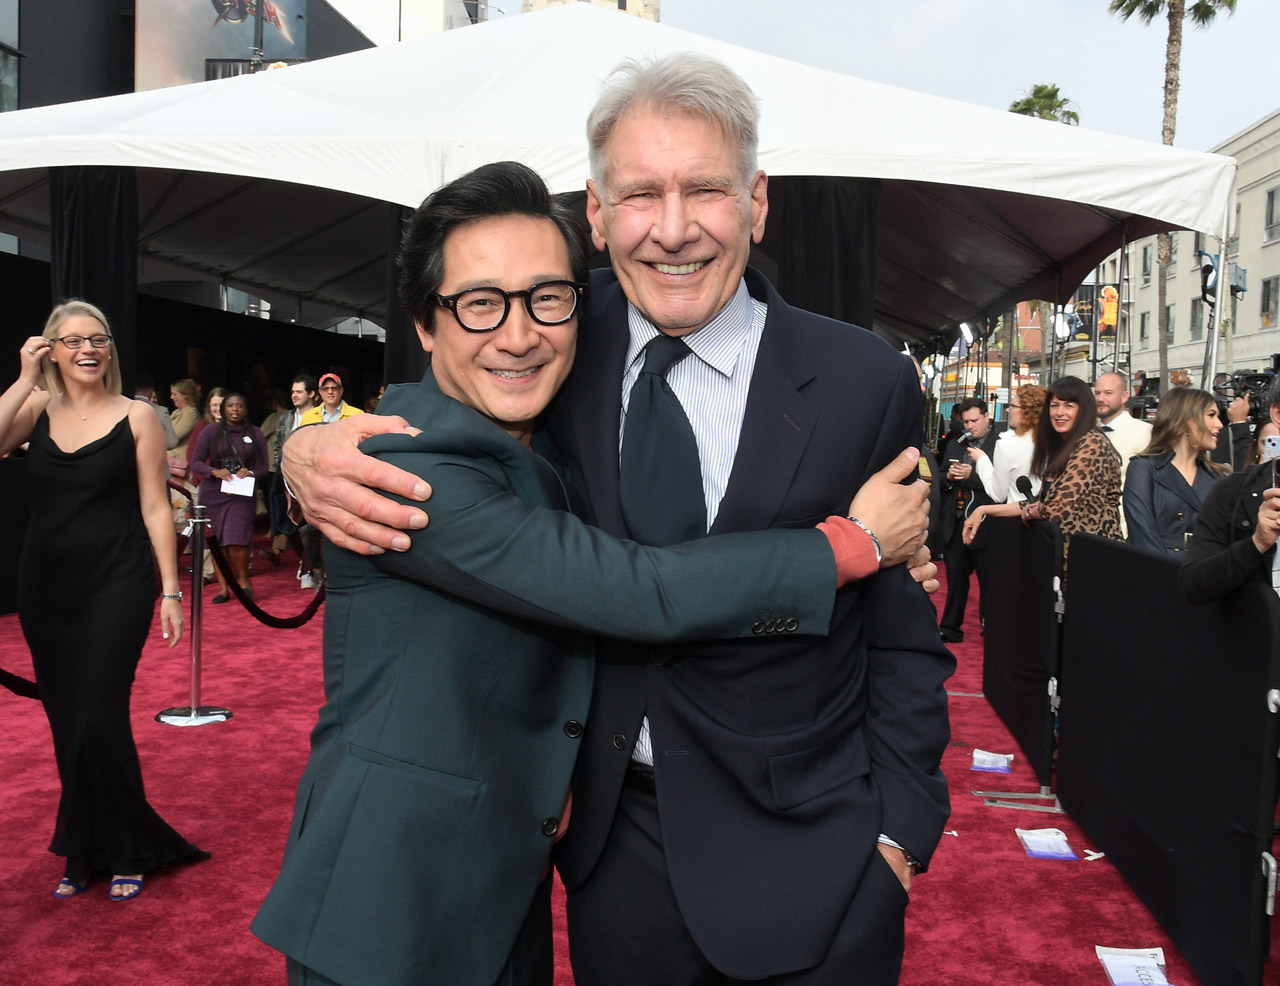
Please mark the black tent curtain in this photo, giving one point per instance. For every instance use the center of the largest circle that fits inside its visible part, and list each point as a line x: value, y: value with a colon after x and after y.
x: 403, y: 359
x: 94, y: 248
x: 821, y: 235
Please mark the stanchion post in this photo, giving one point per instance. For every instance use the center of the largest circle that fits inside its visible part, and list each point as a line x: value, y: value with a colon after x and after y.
x: 195, y: 714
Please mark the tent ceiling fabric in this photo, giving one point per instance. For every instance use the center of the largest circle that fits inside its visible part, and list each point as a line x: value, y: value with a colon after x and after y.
x: 277, y: 182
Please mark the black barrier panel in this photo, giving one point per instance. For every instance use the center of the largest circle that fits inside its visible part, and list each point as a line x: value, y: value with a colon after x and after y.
x: 1167, y: 748
x: 1021, y: 652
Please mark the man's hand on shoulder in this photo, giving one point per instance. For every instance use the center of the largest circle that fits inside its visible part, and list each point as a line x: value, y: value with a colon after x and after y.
x: 898, y: 515
x: 331, y: 477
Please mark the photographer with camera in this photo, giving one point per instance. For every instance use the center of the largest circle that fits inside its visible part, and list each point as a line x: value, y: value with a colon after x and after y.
x: 1235, y: 535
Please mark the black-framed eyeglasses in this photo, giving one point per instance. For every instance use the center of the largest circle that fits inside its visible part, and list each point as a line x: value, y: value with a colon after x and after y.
x: 100, y: 341
x: 485, y: 309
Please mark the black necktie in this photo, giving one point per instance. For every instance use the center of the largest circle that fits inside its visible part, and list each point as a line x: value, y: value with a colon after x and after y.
x: 660, y: 474
x: 1105, y: 428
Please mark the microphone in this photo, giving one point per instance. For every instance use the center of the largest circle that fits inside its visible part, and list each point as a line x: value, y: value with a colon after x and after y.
x: 964, y: 436
x: 1024, y: 487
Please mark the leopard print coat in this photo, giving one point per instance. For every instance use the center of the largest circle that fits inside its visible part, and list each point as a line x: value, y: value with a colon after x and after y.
x: 1086, y: 497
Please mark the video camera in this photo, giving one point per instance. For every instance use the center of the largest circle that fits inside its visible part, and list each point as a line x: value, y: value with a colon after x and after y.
x: 1256, y: 385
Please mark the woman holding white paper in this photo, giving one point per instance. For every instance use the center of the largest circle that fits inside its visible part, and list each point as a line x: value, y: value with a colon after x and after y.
x: 228, y: 458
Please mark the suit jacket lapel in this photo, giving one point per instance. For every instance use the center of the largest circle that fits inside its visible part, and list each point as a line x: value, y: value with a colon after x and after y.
x: 591, y: 404
x: 777, y: 425
x: 1167, y: 475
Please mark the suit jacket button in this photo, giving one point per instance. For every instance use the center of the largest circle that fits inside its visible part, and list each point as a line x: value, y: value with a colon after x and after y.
x: 792, y: 625
x: 757, y: 627
x: 619, y: 741
x: 550, y: 826
x: 573, y: 729
x: 1181, y: 515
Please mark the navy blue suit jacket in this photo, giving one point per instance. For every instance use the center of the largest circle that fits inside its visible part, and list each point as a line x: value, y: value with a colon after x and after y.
x: 777, y: 763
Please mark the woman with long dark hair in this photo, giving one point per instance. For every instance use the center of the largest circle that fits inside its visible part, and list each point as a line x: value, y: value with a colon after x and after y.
x: 1167, y: 482
x: 96, y: 478
x: 233, y: 449
x: 1077, y: 464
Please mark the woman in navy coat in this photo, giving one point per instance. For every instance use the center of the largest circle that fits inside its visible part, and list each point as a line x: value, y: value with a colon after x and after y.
x: 1167, y: 482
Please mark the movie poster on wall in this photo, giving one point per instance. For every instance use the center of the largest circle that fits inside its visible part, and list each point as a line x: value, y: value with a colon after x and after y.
x: 174, y: 37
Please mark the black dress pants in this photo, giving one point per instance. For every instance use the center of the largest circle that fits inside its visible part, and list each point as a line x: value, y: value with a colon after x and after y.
x: 625, y: 926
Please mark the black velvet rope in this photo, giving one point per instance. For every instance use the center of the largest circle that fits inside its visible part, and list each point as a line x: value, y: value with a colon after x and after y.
x: 28, y: 689
x: 254, y: 610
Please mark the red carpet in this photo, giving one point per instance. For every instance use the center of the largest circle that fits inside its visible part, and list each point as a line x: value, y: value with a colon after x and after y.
x: 984, y: 914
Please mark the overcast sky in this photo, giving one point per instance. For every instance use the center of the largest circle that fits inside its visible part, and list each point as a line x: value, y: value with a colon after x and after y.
x: 990, y: 51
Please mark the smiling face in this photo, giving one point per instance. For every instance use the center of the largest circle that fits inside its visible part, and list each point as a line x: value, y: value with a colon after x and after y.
x: 215, y: 407
x: 331, y: 394
x: 509, y: 374
x: 1208, y: 426
x: 1062, y: 415
x: 299, y: 394
x: 86, y: 364
x: 675, y: 215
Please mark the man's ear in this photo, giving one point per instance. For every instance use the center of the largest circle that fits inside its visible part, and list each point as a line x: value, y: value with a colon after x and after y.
x: 424, y: 337
x: 595, y: 209
x: 759, y: 205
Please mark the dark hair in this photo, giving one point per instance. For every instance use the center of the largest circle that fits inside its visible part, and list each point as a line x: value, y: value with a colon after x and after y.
x: 1182, y: 412
x: 142, y: 380
x: 221, y: 438
x: 971, y: 403
x: 308, y: 383
x: 1052, y: 450
x: 506, y: 188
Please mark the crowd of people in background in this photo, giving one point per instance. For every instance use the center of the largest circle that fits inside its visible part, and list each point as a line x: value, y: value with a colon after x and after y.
x: 1076, y: 455
x: 209, y: 444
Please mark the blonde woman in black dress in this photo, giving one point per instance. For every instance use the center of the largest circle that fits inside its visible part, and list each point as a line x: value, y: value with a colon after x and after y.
x: 99, y: 508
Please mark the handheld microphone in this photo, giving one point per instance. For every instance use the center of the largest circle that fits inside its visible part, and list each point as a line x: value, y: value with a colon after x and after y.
x: 1024, y: 487
x: 964, y: 436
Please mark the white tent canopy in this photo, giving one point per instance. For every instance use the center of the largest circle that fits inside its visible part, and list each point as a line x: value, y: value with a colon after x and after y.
x: 980, y: 208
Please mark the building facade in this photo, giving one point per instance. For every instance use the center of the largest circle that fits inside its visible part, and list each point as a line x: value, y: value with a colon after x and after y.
x: 1251, y: 331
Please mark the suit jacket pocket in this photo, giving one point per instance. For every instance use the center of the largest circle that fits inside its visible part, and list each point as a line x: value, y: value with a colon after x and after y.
x: 468, y: 784
x: 801, y: 776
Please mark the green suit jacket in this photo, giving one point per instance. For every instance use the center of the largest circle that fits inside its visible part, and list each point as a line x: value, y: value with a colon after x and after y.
x: 457, y: 681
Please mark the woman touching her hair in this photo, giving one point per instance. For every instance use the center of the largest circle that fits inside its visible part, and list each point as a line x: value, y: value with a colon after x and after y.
x: 87, y: 590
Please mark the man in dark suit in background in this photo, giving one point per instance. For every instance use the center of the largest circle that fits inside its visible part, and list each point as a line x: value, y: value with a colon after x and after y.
x: 962, y: 491
x: 754, y: 810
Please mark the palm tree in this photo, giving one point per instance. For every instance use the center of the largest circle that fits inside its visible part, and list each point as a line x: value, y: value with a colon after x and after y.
x: 1202, y: 13
x: 1045, y: 103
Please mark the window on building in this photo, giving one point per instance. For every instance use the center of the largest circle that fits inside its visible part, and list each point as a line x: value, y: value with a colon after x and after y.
x: 1168, y: 331
x: 1270, y: 295
x: 1144, y: 329
x: 1146, y: 265
x: 1271, y: 230
x: 1197, y: 320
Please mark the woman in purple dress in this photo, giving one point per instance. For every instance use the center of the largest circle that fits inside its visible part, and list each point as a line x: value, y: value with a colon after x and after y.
x: 232, y: 449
